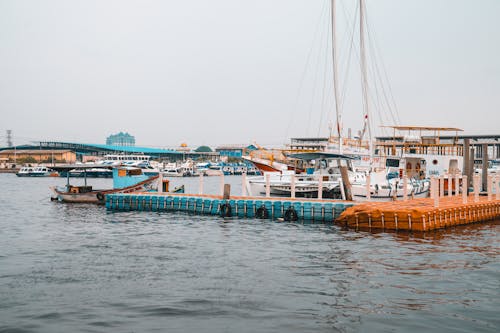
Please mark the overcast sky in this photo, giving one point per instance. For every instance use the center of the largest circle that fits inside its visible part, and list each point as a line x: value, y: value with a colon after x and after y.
x: 232, y: 71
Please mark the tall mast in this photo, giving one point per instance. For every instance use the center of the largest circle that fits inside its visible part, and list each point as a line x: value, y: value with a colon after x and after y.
x: 364, y: 76
x: 335, y: 72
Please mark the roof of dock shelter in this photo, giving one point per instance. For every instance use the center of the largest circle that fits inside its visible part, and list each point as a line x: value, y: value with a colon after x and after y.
x: 423, y: 128
x: 82, y: 147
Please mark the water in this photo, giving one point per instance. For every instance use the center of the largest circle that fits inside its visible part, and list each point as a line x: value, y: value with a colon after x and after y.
x: 78, y: 268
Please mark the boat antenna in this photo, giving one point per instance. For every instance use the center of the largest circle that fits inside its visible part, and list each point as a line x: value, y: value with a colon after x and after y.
x: 335, y: 73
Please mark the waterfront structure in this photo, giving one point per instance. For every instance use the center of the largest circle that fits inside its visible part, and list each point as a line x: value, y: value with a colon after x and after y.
x: 38, y: 155
x: 121, y: 139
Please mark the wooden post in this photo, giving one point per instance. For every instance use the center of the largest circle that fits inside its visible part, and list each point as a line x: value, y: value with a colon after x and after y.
x: 497, y: 187
x: 436, y: 192
x: 222, y: 183
x: 466, y: 166
x: 227, y: 192
x: 476, y: 188
x: 405, y: 188
x: 490, y: 188
x: 431, y: 188
x: 346, y: 182
x: 484, y: 148
x: 244, y: 184
x: 292, y: 186
x: 465, y: 181
x: 470, y: 176
x: 450, y: 185
x: 441, y: 186
x: 268, y: 185
x: 457, y: 185
x: 368, y: 187
x: 200, y: 190
x: 320, y: 187
x: 160, y: 182
x: 342, y: 190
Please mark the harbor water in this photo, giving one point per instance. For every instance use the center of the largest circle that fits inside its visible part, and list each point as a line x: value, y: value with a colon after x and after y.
x: 79, y: 268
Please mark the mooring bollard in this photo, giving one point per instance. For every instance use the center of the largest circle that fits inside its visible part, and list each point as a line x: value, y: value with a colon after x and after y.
x: 292, y: 185
x: 320, y: 187
x: 464, y: 190
x: 244, y: 184
x: 268, y: 185
x: 200, y: 191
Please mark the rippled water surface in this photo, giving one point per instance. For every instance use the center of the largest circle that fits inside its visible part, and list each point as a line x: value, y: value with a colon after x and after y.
x: 78, y: 268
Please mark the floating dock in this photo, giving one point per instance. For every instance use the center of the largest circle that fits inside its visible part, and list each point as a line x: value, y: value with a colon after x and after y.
x: 314, y: 210
x: 420, y: 214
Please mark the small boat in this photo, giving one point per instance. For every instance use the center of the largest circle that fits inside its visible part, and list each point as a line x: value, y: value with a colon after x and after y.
x: 125, y: 180
x: 36, y: 172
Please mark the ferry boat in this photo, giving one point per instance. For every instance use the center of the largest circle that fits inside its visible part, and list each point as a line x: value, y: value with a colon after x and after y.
x: 39, y: 171
x: 125, y: 180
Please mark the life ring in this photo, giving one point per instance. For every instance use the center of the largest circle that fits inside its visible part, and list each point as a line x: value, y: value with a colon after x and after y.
x: 291, y: 215
x: 99, y: 196
x: 225, y: 210
x: 262, y: 213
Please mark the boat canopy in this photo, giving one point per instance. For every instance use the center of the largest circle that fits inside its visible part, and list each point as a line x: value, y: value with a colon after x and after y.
x: 319, y: 155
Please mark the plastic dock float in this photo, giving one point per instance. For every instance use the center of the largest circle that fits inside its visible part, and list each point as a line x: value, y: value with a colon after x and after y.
x: 242, y: 207
x: 420, y: 214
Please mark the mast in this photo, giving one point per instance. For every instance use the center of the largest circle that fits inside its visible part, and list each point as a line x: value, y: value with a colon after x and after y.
x: 364, y: 76
x: 335, y: 72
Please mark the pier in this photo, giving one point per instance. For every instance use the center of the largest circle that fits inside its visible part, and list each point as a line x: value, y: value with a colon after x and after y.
x: 286, y: 209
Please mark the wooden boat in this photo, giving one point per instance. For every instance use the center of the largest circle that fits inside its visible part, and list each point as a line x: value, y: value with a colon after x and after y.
x: 125, y: 180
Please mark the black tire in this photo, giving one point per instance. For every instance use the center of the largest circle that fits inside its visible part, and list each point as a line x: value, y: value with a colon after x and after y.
x: 225, y: 210
x: 99, y: 196
x: 291, y: 215
x: 262, y: 213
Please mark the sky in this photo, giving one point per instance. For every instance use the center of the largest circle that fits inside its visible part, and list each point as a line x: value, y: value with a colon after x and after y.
x: 237, y: 72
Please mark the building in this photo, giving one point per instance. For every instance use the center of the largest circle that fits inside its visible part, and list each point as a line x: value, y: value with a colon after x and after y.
x: 234, y: 151
x: 121, y: 139
x: 38, y: 156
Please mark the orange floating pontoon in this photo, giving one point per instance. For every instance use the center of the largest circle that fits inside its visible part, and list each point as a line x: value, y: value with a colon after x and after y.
x: 419, y: 214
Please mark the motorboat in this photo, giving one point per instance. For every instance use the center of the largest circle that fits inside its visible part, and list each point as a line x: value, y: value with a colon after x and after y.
x: 39, y: 171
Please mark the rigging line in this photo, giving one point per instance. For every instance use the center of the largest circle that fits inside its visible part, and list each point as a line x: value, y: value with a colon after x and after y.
x: 315, y: 83
x: 349, y: 57
x: 377, y: 53
x: 303, y: 74
x: 334, y: 65
x: 379, y: 83
x: 323, y: 97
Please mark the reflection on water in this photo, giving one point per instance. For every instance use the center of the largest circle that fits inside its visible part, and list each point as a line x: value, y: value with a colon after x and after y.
x: 80, y: 268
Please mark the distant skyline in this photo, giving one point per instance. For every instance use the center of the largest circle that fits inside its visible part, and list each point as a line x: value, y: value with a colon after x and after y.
x: 232, y: 71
